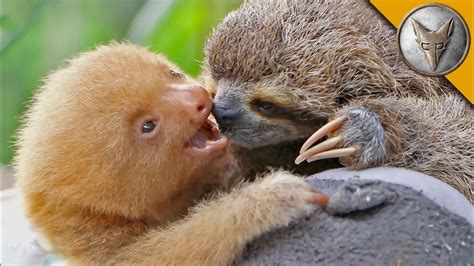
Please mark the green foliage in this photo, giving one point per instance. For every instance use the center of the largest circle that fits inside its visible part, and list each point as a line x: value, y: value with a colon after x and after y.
x: 37, y: 36
x: 181, y: 33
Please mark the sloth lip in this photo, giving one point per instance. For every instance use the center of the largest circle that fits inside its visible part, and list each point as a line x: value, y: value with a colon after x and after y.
x: 207, y: 139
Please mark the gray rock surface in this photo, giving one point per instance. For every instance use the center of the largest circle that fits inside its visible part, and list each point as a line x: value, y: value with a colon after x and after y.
x: 403, y: 229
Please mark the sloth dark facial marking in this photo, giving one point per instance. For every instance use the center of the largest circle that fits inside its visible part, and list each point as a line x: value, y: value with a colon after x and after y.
x: 252, y: 122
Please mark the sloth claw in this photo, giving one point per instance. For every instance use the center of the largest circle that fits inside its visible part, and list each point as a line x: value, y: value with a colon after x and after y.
x: 323, y: 146
x: 323, y: 131
x: 324, y: 150
x: 332, y: 154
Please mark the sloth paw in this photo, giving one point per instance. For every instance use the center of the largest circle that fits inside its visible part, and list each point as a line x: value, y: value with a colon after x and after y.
x: 357, y: 139
x: 282, y: 197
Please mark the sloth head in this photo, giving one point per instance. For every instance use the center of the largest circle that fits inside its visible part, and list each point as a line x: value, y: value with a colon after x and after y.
x: 281, y: 68
x: 118, y: 129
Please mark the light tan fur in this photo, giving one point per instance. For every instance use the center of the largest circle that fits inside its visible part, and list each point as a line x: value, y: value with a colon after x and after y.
x: 102, y: 192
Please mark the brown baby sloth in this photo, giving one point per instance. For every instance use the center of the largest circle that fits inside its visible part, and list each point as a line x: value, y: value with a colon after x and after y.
x: 281, y: 69
x: 115, y: 156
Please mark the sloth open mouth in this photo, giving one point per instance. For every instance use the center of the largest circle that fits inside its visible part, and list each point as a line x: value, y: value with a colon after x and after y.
x: 207, y: 139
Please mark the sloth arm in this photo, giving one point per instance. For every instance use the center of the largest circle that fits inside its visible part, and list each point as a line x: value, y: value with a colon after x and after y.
x: 214, y: 233
x: 433, y: 136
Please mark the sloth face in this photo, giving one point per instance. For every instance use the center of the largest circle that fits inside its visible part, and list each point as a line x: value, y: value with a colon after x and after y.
x: 124, y: 113
x: 120, y: 130
x: 280, y: 67
x: 156, y: 114
x: 260, y: 114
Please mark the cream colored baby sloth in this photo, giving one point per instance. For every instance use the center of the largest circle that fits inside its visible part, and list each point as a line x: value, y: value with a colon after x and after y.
x: 116, y: 154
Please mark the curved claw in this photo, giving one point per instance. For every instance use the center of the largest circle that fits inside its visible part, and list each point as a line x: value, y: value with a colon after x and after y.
x: 323, y: 131
x: 332, y: 154
x: 319, y: 198
x: 323, y: 146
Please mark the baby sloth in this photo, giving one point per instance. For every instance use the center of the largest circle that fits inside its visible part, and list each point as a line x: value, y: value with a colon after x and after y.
x: 281, y: 69
x: 115, y: 157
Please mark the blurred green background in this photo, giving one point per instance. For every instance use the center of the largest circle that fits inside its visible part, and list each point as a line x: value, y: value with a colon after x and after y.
x: 37, y: 36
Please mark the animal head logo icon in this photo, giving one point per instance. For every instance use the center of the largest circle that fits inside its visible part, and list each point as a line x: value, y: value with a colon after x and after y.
x: 433, y: 43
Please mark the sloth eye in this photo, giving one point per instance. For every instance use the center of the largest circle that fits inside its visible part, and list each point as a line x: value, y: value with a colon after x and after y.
x: 264, y: 106
x: 148, y: 126
x: 176, y: 75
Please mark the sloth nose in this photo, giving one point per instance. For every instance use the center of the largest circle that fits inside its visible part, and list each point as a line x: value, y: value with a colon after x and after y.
x: 194, y: 99
x: 225, y: 116
x: 200, y: 104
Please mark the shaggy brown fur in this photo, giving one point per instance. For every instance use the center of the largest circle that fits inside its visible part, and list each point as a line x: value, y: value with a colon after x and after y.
x: 283, y: 68
x: 105, y: 187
